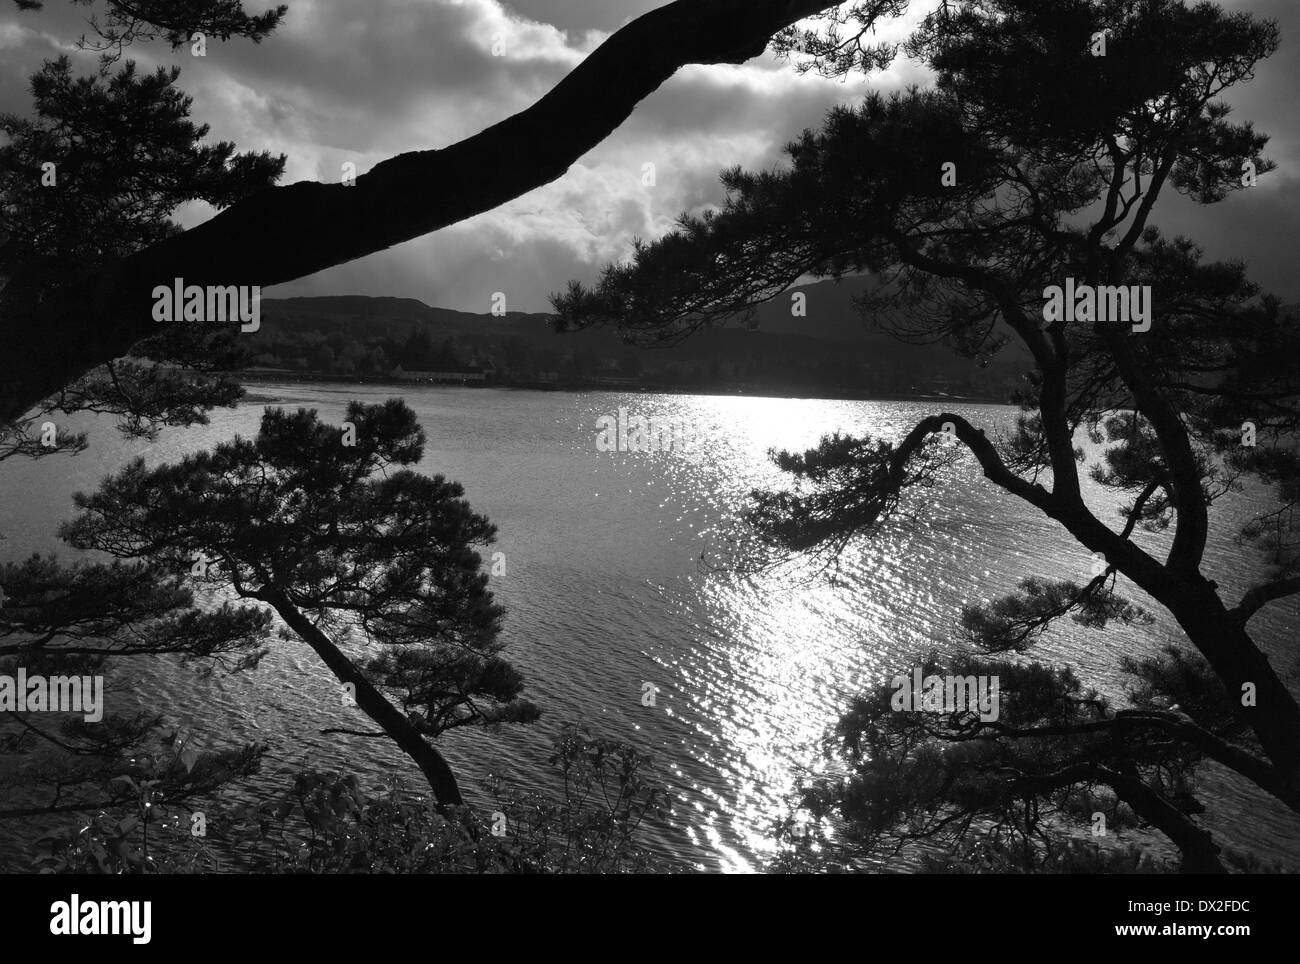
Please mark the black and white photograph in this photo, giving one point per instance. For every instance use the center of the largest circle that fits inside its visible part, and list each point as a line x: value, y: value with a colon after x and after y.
x: 650, y: 438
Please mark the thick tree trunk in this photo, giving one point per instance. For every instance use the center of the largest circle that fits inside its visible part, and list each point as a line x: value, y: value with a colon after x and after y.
x: 372, y: 702
x: 1237, y: 661
x: 1218, y: 634
x: 289, y: 232
x: 1200, y: 854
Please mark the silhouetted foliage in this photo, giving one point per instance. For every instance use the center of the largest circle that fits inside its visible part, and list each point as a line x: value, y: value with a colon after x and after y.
x: 328, y: 823
x: 330, y: 527
x: 1058, y: 158
x: 118, y: 23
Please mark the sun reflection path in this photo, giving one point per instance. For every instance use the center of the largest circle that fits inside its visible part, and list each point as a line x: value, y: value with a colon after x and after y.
x: 785, y: 648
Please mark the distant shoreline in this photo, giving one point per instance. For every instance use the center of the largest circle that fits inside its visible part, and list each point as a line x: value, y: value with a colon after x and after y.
x: 581, y: 385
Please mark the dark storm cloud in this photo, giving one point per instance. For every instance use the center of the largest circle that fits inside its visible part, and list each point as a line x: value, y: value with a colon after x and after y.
x: 371, y: 72
x: 359, y: 80
x: 1258, y: 225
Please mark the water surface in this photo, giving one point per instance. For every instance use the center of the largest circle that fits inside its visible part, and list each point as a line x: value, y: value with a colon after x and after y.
x: 605, y: 592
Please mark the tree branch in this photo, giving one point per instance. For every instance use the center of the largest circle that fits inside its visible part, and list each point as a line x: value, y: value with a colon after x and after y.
x: 1259, y: 596
x: 995, y: 470
x: 1259, y: 771
x: 288, y: 232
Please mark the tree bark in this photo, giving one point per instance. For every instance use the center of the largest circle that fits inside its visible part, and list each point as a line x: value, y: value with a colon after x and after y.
x: 1218, y: 633
x: 373, y: 703
x: 1221, y: 638
x: 288, y: 232
x: 1200, y: 854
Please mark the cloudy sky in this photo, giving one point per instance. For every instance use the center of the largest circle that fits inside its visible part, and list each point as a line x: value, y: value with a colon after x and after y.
x: 361, y: 80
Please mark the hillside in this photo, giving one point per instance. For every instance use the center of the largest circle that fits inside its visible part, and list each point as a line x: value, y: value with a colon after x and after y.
x: 829, y: 352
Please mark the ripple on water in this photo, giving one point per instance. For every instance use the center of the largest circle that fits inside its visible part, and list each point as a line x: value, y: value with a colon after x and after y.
x: 605, y: 592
